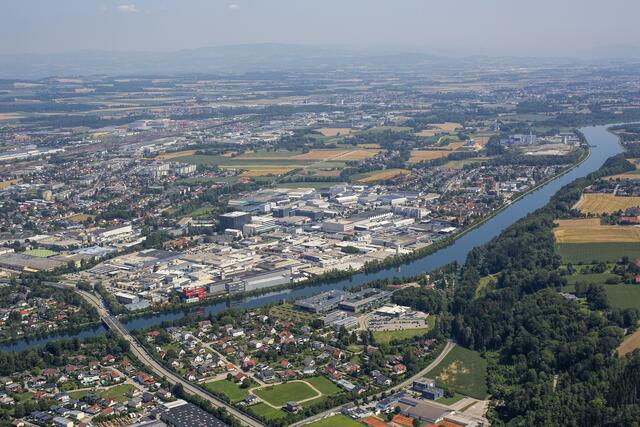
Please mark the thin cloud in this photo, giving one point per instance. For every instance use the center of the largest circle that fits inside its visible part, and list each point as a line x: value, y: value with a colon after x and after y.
x: 128, y: 8
x: 233, y: 6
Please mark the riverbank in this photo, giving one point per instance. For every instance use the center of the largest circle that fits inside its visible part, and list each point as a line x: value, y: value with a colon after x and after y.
x: 334, y: 276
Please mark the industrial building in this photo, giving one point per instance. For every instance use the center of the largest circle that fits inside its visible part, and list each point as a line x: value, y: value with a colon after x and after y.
x: 234, y: 220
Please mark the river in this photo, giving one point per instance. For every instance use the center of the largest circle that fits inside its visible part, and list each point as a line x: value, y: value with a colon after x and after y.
x: 603, y: 145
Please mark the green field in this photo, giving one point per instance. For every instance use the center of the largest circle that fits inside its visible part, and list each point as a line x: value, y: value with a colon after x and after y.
x: 42, y: 253
x: 462, y: 371
x: 589, y: 279
x: 227, y: 388
x: 384, y: 337
x: 265, y: 411
x: 619, y: 296
x: 325, y: 386
x: 279, y: 395
x: 336, y: 421
x: 587, y: 252
x: 115, y: 393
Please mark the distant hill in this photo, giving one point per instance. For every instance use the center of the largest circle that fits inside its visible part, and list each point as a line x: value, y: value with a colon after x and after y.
x: 223, y: 59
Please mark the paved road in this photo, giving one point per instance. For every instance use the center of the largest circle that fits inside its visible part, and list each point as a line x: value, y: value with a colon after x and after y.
x: 447, y: 348
x: 141, y: 353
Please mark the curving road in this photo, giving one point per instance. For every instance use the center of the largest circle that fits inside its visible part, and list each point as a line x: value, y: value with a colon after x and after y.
x: 148, y: 360
x: 447, y: 348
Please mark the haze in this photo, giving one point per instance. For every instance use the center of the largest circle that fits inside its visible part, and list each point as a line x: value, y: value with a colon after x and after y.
x: 493, y: 27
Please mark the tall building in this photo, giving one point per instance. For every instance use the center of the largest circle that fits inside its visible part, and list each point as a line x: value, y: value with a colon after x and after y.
x: 234, y: 220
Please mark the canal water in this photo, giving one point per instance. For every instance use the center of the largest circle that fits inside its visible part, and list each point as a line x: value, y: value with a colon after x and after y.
x: 603, y: 145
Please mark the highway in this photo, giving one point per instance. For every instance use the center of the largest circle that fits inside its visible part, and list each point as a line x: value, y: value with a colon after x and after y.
x: 148, y: 360
x: 447, y: 348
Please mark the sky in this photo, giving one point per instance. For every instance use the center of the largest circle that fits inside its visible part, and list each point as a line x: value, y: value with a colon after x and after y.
x: 492, y: 27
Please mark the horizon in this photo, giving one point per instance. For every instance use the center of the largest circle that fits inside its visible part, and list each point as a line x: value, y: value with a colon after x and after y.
x: 494, y: 28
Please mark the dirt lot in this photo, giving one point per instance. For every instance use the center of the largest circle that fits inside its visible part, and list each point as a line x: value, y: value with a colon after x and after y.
x: 606, y: 203
x: 590, y: 230
x: 629, y: 344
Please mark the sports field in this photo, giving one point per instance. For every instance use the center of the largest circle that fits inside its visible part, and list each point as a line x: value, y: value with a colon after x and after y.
x: 279, y: 395
x: 588, y: 252
x: 42, y: 253
x: 591, y: 231
x: 462, y: 371
x: 599, y: 204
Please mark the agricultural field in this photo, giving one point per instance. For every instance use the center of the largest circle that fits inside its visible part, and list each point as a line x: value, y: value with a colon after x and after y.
x: 170, y: 156
x: 619, y: 296
x: 332, y: 154
x: 422, y: 155
x: 227, y: 388
x: 591, y: 231
x: 310, y: 184
x: 8, y: 183
x: 463, y: 371
x: 598, y: 204
x: 335, y: 131
x: 336, y: 421
x: 381, y: 175
x: 582, y: 253
x: 459, y: 164
x: 447, y: 127
x: 42, y: 253
x: 596, y: 278
x: 338, y: 154
x: 279, y: 395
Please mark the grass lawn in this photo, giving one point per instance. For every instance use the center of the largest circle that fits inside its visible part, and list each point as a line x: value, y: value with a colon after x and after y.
x: 462, y: 371
x: 22, y: 397
x: 201, y: 211
x: 267, y: 412
x: 450, y: 400
x: 336, y: 421
x: 279, y: 395
x: 325, y: 386
x: 227, y: 388
x: 487, y: 283
x: 42, y: 253
x: 383, y: 337
x: 115, y: 393
x: 587, y: 252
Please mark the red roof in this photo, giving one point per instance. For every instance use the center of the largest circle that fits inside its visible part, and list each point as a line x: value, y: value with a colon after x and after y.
x: 402, y: 420
x: 374, y: 422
